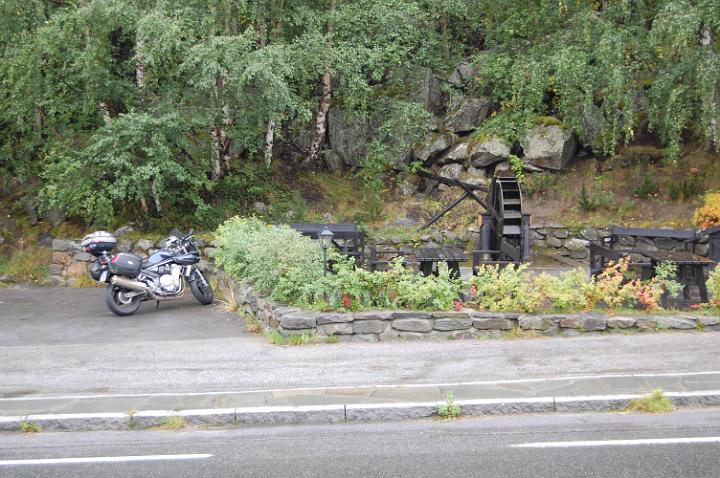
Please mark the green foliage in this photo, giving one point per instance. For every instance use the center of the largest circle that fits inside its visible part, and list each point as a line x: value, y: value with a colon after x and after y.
x: 353, y: 288
x: 276, y: 338
x: 646, y: 186
x: 517, y: 166
x: 29, y: 427
x: 215, y: 75
x: 713, y: 287
x: 276, y: 259
x: 508, y: 289
x: 137, y: 157
x: 656, y: 402
x: 684, y: 189
x: 173, y: 423
x: 666, y: 277
x: 596, y: 198
x: 571, y: 291
x: 27, y: 265
x: 537, y: 184
x: 604, y: 67
x: 288, y: 266
x: 449, y: 410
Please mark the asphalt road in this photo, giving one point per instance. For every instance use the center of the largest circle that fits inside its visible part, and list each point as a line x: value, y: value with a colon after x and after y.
x: 49, y: 316
x: 677, y: 445
x: 64, y: 341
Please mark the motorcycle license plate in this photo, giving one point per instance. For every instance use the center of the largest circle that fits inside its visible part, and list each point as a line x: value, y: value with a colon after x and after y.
x: 103, y: 276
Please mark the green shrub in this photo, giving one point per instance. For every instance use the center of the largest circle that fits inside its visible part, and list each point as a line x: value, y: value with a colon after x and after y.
x: 686, y: 188
x: 595, y: 199
x: 570, y: 291
x: 449, y: 410
x: 276, y: 259
x: 713, y: 287
x: 656, y: 402
x: 646, y: 186
x: 288, y: 266
x: 537, y: 184
x: 507, y: 289
x: 353, y: 288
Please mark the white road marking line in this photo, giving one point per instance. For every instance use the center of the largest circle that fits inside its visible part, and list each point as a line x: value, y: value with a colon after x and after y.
x: 597, y: 443
x: 103, y: 459
x: 346, y: 387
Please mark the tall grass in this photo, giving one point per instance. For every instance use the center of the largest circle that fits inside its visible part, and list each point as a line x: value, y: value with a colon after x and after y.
x: 29, y: 265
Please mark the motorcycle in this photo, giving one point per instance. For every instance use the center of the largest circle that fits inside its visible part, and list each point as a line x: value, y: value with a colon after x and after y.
x: 162, y: 276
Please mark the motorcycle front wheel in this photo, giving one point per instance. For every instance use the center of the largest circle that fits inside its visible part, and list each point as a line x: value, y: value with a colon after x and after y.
x: 119, y: 304
x: 201, y: 289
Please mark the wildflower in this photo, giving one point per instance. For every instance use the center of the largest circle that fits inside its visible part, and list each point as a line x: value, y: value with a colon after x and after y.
x: 457, y: 305
x: 473, y: 291
x: 346, y: 301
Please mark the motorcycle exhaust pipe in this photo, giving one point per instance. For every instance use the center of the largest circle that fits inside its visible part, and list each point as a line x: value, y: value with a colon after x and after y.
x: 138, y: 286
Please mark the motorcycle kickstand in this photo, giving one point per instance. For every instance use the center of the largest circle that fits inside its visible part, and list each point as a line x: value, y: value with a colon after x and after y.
x: 157, y: 304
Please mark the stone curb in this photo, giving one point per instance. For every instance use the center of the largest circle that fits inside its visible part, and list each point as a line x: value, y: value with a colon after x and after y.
x: 339, y: 413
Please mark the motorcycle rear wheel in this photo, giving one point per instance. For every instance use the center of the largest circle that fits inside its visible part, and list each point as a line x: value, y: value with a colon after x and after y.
x: 201, y: 289
x: 118, y: 303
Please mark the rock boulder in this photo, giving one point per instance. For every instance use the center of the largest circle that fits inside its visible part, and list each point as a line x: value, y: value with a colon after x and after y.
x: 488, y: 152
x: 549, y: 147
x: 432, y: 146
x: 466, y: 114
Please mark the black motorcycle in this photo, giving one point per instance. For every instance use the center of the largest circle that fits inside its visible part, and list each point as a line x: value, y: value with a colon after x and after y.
x: 162, y: 276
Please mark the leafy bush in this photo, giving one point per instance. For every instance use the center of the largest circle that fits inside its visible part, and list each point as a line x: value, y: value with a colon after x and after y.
x: 570, y: 292
x: 597, y: 198
x: 713, y: 287
x: 686, y: 188
x: 646, y: 187
x: 537, y: 184
x: 281, y: 262
x: 708, y: 215
x: 507, y: 289
x: 276, y: 259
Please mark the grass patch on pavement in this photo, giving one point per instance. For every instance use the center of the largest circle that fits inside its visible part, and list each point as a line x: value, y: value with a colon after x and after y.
x: 518, y: 333
x: 276, y: 338
x: 29, y: 427
x: 656, y: 402
x: 449, y: 410
x: 172, y: 424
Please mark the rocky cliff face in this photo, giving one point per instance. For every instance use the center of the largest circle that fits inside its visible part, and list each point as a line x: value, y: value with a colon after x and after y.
x: 452, y: 146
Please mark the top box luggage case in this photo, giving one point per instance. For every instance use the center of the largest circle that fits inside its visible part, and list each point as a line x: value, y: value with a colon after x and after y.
x: 98, y: 242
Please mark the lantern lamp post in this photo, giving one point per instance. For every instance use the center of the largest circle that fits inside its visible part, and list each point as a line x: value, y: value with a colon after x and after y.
x: 326, y: 237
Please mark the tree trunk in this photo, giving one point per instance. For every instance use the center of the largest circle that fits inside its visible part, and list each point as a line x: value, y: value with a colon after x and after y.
x: 269, y: 143
x: 140, y: 75
x: 220, y: 155
x: 321, y: 118
x: 105, y: 112
x: 713, y: 142
x: 270, y: 130
x: 260, y: 23
x: 156, y: 196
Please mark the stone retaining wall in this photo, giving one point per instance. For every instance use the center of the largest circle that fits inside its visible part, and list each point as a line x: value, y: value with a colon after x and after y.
x: 382, y: 325
x: 573, y: 243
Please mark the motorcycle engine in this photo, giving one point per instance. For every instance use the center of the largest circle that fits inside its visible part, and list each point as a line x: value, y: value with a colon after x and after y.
x: 171, y: 283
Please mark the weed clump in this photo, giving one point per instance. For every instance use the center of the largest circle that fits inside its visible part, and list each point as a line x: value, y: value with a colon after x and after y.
x: 656, y: 402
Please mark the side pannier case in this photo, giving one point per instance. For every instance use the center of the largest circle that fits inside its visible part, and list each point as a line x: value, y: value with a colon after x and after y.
x: 98, y: 242
x: 126, y: 264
